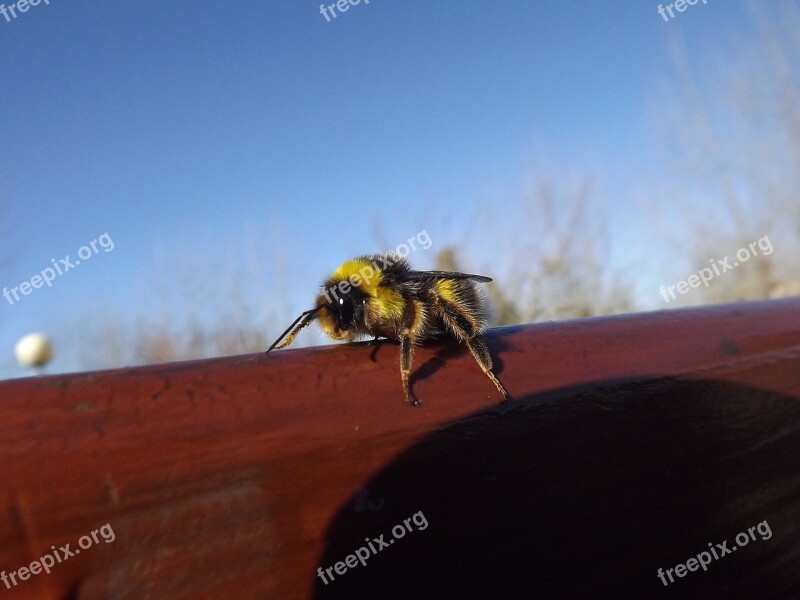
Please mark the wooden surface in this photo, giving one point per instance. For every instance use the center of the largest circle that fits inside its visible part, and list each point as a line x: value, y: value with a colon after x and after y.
x: 633, y: 443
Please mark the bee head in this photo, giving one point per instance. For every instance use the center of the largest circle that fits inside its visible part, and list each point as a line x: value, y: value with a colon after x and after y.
x: 342, y: 312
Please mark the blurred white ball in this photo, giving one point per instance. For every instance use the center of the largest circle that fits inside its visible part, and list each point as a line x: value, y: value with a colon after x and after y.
x: 33, y: 350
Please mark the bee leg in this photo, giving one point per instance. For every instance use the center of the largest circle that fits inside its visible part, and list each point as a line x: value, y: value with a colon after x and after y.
x: 413, y: 322
x: 406, y: 357
x: 481, y: 353
x: 466, y: 330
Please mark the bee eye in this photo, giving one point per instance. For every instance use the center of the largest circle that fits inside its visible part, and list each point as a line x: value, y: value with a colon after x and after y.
x: 345, y: 311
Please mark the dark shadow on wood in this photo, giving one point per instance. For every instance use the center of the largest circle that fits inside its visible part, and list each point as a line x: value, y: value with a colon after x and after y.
x: 586, y: 493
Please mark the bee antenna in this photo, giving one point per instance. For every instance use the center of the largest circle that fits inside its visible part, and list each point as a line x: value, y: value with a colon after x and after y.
x: 303, y: 315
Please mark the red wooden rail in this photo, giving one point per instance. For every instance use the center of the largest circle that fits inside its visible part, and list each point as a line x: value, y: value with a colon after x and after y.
x: 634, y: 444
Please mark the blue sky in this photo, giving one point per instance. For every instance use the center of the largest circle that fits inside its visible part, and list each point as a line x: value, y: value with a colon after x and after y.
x: 188, y: 130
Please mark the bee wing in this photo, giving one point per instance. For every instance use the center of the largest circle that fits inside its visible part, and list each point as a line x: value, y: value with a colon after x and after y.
x: 445, y: 275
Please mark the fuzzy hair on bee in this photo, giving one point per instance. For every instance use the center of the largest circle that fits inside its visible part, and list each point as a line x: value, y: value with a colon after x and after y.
x: 380, y: 295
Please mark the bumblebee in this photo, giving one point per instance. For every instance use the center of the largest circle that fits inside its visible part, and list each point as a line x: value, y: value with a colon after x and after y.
x: 381, y: 296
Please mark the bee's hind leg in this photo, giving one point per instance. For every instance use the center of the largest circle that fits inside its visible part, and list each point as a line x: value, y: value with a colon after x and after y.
x: 464, y: 327
x: 481, y: 353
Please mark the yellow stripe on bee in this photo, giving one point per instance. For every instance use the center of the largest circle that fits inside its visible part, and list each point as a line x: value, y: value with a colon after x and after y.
x: 390, y: 304
x: 360, y: 273
x: 367, y: 277
x: 446, y: 289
